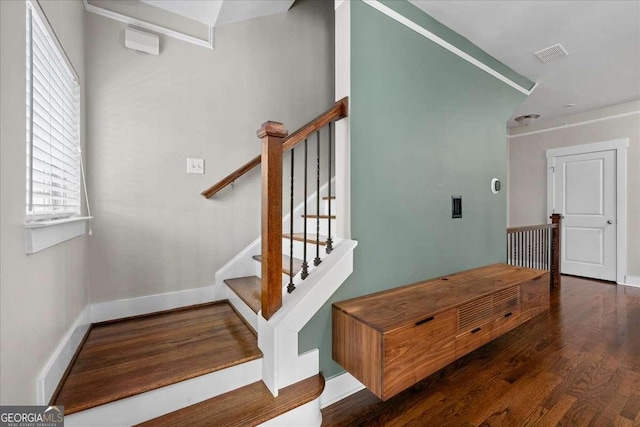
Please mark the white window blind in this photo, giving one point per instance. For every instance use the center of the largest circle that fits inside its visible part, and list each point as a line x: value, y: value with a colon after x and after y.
x: 53, y: 125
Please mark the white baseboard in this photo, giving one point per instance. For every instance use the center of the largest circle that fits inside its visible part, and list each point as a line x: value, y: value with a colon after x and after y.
x: 54, y: 369
x: 118, y: 309
x: 632, y: 281
x: 339, y: 387
x: 143, y: 407
x: 307, y: 415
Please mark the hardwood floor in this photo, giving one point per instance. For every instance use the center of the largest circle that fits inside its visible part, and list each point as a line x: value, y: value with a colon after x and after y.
x: 575, y: 365
x: 124, y: 358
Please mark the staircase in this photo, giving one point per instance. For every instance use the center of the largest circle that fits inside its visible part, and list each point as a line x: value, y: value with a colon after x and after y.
x: 233, y: 361
x: 296, y: 247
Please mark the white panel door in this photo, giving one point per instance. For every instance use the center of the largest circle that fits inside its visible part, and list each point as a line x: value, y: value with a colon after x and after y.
x: 585, y: 193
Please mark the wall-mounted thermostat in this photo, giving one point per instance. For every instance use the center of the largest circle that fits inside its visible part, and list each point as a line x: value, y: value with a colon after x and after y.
x: 495, y: 185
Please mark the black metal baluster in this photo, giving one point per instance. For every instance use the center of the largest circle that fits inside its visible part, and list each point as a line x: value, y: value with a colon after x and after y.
x: 305, y: 265
x: 329, y: 239
x: 317, y: 260
x: 291, y: 287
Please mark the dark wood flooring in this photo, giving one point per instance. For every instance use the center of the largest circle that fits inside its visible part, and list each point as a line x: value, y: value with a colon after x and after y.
x: 247, y: 406
x: 576, y: 365
x: 131, y: 356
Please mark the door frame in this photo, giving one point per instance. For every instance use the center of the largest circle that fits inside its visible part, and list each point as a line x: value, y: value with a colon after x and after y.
x: 620, y: 146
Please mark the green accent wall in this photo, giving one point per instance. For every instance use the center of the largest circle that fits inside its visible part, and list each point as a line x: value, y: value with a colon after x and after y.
x: 425, y: 125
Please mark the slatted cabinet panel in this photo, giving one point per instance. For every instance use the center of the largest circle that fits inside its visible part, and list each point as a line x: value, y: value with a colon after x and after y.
x: 393, y: 339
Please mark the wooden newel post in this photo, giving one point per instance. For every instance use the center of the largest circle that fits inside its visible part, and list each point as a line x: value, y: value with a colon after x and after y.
x: 556, y: 243
x: 271, y: 134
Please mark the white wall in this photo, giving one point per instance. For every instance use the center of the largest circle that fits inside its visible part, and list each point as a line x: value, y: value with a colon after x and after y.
x: 41, y: 294
x: 153, y: 232
x: 527, y: 166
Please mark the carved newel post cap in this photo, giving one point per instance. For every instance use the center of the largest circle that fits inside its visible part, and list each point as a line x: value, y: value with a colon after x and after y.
x: 275, y: 129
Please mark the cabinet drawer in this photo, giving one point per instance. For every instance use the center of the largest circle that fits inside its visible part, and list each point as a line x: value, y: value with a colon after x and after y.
x: 475, y: 338
x: 413, y: 353
x: 506, y: 322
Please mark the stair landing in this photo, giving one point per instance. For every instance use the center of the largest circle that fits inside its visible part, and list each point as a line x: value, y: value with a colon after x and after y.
x: 247, y: 406
x: 123, y: 358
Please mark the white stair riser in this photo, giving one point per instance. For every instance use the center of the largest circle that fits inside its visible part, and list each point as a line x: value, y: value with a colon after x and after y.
x: 324, y: 207
x: 285, y: 277
x: 143, y: 407
x: 298, y: 250
x: 324, y: 226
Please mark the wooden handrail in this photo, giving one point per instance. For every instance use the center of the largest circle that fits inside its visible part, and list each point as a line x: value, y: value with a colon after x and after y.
x: 339, y: 111
x: 531, y: 227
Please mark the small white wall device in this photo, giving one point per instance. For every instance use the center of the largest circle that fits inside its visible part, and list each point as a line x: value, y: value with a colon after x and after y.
x: 495, y: 185
x: 142, y: 41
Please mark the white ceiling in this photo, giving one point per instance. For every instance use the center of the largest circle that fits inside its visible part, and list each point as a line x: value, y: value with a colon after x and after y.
x: 219, y: 12
x: 601, y: 37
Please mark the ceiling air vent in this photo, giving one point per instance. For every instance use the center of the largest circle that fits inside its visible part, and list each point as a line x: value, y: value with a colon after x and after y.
x: 551, y: 53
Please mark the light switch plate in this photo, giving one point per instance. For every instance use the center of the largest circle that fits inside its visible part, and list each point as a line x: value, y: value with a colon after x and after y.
x: 195, y: 166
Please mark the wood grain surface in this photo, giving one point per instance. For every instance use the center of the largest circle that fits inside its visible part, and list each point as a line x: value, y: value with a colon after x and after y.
x: 122, y: 359
x: 247, y: 406
x: 577, y: 364
x: 386, y: 311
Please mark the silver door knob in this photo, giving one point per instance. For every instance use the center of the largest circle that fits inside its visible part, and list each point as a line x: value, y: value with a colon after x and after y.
x: 609, y: 222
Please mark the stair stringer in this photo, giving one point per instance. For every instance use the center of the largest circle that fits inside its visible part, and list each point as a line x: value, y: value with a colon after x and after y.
x: 278, y: 337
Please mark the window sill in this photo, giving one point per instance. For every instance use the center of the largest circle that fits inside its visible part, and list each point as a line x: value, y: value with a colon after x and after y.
x: 42, y: 235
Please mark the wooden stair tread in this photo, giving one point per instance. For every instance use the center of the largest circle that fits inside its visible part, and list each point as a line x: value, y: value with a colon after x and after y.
x: 311, y: 238
x: 319, y: 216
x: 132, y: 356
x: 286, y: 260
x: 247, y: 406
x: 248, y: 289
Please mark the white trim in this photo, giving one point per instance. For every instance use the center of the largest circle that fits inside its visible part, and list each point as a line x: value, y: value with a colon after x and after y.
x: 620, y: 146
x: 54, y: 222
x: 621, y: 213
x: 307, y: 415
x: 571, y: 150
x: 54, y: 369
x: 451, y: 48
x: 146, y: 406
x: 278, y: 337
x: 570, y: 125
x: 342, y: 54
x: 209, y: 43
x: 633, y: 281
x: 118, y: 309
x: 42, y: 235
x: 339, y: 387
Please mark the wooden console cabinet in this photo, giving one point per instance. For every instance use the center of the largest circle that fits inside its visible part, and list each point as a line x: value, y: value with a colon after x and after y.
x: 390, y: 340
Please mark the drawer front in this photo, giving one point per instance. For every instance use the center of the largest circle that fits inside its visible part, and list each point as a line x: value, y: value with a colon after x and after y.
x: 534, y: 296
x: 413, y: 353
x: 506, y: 322
x: 473, y: 339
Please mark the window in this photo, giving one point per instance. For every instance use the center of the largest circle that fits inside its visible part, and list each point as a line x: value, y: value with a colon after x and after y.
x: 53, y: 125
